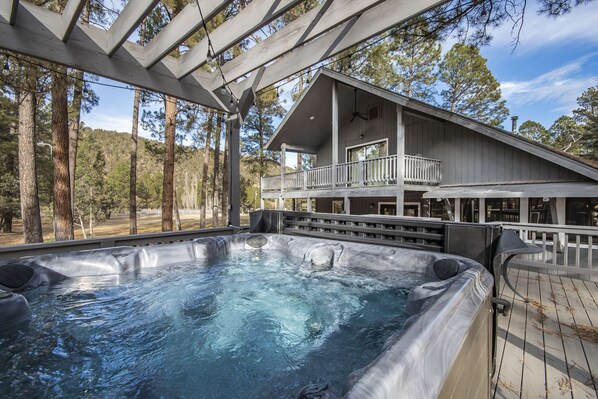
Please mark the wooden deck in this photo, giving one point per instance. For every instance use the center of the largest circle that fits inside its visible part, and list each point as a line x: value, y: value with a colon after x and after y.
x: 548, y: 346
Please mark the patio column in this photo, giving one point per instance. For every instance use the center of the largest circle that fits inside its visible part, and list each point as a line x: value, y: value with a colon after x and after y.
x: 400, y: 162
x: 457, y: 209
x: 524, y: 210
x: 347, y: 205
x: 234, y: 129
x: 482, y: 211
x: 334, y: 132
x: 309, y: 207
x: 283, y: 164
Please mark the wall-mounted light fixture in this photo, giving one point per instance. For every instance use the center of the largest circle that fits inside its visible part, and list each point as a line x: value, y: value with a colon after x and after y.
x: 311, y: 118
x: 361, y: 136
x: 371, y: 205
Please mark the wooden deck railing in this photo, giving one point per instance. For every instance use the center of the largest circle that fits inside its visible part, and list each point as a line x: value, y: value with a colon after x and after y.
x: 371, y: 172
x: 565, y: 248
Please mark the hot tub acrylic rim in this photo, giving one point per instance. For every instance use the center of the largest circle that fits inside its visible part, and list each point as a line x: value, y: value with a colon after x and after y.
x: 403, y: 363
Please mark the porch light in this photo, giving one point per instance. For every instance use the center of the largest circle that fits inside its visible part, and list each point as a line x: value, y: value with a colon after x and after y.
x: 311, y: 118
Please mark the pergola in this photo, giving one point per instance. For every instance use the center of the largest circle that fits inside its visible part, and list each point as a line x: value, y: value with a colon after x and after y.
x: 328, y: 29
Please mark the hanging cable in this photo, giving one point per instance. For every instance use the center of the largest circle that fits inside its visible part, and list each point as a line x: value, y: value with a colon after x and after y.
x: 211, y: 54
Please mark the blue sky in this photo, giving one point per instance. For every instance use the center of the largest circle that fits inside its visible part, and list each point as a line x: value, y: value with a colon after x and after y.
x: 556, y: 60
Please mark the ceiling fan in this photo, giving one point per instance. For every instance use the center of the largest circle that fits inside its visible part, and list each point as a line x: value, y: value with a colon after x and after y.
x: 357, y: 114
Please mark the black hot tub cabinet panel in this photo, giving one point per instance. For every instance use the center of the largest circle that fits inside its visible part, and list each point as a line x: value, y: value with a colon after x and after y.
x: 440, y: 348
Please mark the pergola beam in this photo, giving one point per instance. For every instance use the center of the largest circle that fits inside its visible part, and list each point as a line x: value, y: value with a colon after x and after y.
x: 257, y: 14
x: 371, y: 23
x: 35, y: 34
x: 315, y: 22
x: 70, y: 16
x: 127, y: 21
x: 180, y: 28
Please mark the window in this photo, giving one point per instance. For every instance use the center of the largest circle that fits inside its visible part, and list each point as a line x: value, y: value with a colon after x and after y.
x: 374, y: 112
x: 539, y: 210
x: 338, y: 206
x: 581, y: 211
x: 442, y: 208
x: 470, y: 210
x: 502, y: 210
x: 372, y: 170
x: 373, y: 150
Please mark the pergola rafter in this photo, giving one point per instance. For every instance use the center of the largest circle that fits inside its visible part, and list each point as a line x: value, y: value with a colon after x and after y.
x: 180, y: 28
x: 360, y: 28
x: 127, y: 21
x: 315, y: 22
x: 255, y: 15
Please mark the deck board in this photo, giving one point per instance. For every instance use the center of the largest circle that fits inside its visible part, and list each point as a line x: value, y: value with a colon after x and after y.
x: 541, y: 351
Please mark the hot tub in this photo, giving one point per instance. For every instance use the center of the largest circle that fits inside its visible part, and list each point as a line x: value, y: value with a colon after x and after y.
x: 246, y: 316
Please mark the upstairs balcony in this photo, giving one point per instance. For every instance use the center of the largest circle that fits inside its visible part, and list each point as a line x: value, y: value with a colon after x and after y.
x: 360, y: 174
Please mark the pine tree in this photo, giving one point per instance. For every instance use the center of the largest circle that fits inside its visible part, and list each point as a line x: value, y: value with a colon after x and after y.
x: 258, y: 127
x: 471, y: 89
x: 587, y: 116
x: 565, y: 134
x: 535, y: 131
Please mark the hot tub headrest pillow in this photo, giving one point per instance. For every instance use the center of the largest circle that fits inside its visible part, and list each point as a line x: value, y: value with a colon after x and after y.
x: 15, y: 276
x: 446, y: 268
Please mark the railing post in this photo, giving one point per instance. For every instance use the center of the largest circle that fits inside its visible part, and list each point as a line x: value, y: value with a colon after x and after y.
x: 304, y: 180
x: 360, y: 173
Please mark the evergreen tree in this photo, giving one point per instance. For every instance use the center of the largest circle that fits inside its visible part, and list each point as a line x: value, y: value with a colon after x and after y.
x: 587, y: 116
x: 405, y: 62
x: 258, y: 128
x: 565, y: 134
x: 535, y: 131
x: 471, y: 89
x: 9, y: 174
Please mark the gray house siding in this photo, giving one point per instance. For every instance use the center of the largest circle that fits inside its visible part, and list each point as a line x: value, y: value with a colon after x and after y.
x: 467, y: 157
x: 472, y: 158
x: 384, y: 127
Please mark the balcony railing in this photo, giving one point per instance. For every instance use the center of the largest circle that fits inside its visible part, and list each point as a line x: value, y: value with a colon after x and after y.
x: 368, y: 173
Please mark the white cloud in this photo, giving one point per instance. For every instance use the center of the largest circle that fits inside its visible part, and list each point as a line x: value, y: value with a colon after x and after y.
x: 560, y: 87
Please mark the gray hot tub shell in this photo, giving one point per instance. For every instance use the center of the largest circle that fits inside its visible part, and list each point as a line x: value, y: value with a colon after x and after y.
x: 444, y: 351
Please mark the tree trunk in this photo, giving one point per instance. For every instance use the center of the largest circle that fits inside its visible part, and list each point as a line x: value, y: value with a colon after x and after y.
x: 216, y: 180
x: 133, y: 172
x: 225, y: 169
x: 204, y: 178
x: 75, y: 120
x: 168, y: 181
x: 74, y: 126
x: 60, y: 142
x: 7, y: 222
x: 32, y: 223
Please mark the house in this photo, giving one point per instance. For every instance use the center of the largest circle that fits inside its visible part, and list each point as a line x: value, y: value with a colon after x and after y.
x: 378, y: 152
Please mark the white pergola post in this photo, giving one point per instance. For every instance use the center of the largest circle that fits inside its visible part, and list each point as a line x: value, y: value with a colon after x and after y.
x: 524, y: 210
x: 482, y: 211
x: 283, y: 163
x: 334, y: 132
x: 400, y: 162
x: 457, y: 209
